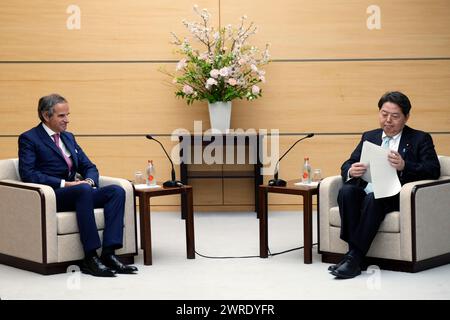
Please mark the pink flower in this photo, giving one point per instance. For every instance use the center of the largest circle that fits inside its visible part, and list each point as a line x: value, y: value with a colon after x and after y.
x: 181, y: 64
x: 187, y: 89
x: 214, y: 73
x: 232, y: 82
x: 203, y: 56
x: 255, y: 90
x: 224, y: 72
x: 228, y: 68
x: 210, y: 82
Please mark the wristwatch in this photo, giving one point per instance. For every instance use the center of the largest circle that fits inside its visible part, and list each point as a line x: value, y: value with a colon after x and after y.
x: 91, y: 182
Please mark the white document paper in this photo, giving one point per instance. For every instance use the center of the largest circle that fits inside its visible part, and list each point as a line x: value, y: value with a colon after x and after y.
x: 145, y: 186
x: 311, y: 184
x: 380, y: 173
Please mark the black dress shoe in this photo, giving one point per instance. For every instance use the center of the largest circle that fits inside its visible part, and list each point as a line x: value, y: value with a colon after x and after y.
x: 94, y: 266
x: 349, y: 269
x: 112, y: 262
x: 335, y: 266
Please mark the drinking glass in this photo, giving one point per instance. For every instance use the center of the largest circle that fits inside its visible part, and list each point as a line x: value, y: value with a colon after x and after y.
x: 138, y: 177
x: 317, y: 175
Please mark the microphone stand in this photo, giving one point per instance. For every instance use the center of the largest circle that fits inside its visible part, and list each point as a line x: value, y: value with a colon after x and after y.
x: 275, y: 182
x: 169, y: 183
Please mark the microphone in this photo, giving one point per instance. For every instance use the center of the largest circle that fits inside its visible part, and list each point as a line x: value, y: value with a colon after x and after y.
x: 275, y: 182
x: 169, y: 183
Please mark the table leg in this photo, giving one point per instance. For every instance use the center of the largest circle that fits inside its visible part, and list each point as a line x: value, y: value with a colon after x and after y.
x: 263, y: 229
x: 184, y: 205
x: 307, y: 228
x: 190, y: 240
x: 146, y: 238
x: 141, y: 220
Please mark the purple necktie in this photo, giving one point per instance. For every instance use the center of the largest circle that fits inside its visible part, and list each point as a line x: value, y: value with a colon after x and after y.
x: 68, y: 160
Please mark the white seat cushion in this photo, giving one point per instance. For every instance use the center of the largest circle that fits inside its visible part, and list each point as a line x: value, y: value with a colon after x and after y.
x: 67, y: 221
x: 445, y: 165
x: 391, y: 222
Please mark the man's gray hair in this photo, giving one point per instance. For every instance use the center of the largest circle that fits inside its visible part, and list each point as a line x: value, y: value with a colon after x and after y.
x: 47, y: 105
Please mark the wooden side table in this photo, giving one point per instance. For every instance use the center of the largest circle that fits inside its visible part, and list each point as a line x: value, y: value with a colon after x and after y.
x: 144, y: 196
x: 307, y: 193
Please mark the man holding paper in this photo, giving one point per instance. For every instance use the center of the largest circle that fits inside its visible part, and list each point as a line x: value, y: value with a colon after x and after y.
x: 410, y: 152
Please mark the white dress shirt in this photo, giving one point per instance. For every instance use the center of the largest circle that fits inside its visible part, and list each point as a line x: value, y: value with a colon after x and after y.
x: 394, y: 142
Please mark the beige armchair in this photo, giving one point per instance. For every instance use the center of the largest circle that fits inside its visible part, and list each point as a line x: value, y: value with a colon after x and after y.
x: 413, y: 239
x: 33, y: 236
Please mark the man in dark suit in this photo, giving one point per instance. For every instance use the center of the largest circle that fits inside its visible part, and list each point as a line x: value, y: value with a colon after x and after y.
x: 411, y: 152
x: 48, y: 154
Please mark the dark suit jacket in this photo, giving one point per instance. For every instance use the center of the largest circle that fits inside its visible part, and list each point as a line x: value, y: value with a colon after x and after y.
x: 41, y: 161
x: 416, y: 148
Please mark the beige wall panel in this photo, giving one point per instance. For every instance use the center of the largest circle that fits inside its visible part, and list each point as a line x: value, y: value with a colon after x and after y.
x: 8, y: 147
x: 338, y: 28
x: 299, y: 97
x: 104, y: 98
x: 343, y: 96
x: 442, y: 144
x: 112, y: 30
x: 140, y: 29
x: 324, y: 152
x: 239, y: 191
x: 122, y: 156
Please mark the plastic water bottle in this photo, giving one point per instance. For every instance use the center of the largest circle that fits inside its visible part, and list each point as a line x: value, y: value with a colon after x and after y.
x: 306, y: 177
x: 150, y: 174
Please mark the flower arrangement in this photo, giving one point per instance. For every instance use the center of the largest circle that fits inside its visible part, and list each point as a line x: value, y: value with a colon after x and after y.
x: 226, y: 69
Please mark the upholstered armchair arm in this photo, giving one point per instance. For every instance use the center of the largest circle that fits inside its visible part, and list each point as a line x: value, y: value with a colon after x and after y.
x: 424, y: 208
x: 129, y: 237
x: 328, y: 192
x: 28, y: 228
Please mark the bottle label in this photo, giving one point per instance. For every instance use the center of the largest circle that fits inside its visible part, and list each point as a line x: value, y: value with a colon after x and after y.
x: 305, y: 175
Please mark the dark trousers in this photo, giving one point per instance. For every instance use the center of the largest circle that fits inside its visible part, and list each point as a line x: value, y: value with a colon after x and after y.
x: 83, y: 199
x: 361, y: 215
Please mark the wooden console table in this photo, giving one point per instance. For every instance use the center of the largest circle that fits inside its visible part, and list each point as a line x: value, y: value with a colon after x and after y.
x: 144, y: 196
x: 307, y: 193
